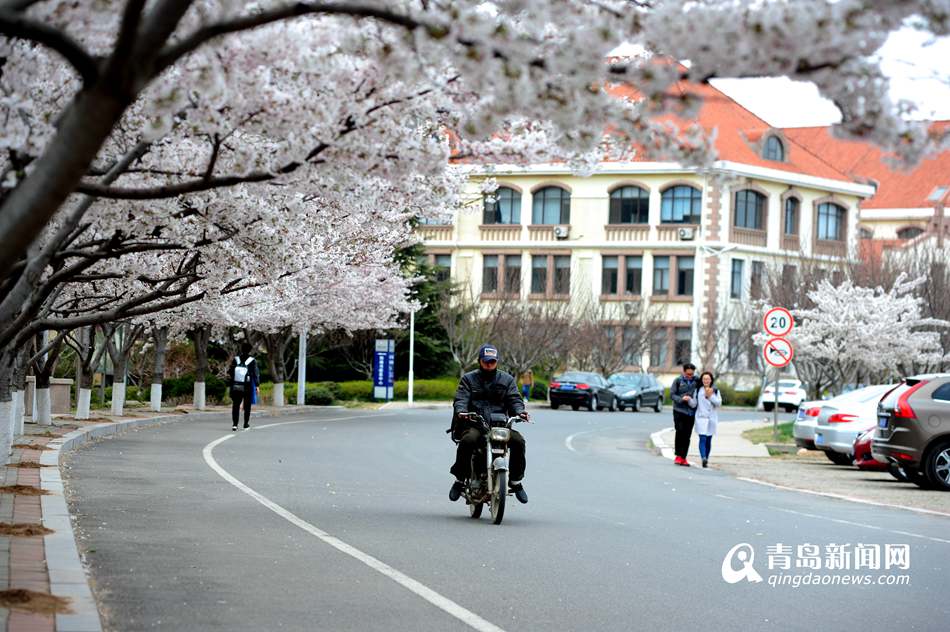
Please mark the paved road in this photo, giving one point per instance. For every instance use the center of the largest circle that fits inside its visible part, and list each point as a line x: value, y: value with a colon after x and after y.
x: 614, y: 538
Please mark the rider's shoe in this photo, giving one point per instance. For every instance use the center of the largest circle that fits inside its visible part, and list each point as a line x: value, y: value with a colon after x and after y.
x: 520, y: 493
x: 456, y: 492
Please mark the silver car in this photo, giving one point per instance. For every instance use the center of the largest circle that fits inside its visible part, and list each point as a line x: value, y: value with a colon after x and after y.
x: 805, y: 423
x: 845, y: 418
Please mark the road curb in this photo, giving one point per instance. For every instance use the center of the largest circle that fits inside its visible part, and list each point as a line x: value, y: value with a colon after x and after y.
x: 660, y: 447
x: 67, y: 575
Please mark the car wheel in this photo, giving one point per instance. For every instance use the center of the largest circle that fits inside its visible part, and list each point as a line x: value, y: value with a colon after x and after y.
x: 621, y: 407
x: 937, y: 466
x: 898, y: 472
x: 593, y: 404
x: 918, y: 478
x: 837, y: 458
x: 613, y: 405
x: 575, y: 407
x: 658, y: 407
x: 635, y: 406
x: 767, y: 407
x: 554, y: 406
x: 789, y: 408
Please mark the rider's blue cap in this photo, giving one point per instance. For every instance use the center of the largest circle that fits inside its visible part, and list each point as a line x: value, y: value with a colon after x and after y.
x: 488, y: 352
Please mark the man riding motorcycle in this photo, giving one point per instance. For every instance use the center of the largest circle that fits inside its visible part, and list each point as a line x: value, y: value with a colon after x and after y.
x: 486, y: 390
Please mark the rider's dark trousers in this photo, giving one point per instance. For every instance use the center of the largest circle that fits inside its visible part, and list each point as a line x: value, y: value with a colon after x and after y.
x: 468, y: 443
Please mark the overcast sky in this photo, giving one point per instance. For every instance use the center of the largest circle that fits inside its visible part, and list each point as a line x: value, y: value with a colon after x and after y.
x: 911, y: 59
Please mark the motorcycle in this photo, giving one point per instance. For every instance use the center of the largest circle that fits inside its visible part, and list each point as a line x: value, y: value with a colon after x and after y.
x: 488, y: 483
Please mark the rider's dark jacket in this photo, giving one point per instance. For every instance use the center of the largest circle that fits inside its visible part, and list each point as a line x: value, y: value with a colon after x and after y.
x: 478, y: 394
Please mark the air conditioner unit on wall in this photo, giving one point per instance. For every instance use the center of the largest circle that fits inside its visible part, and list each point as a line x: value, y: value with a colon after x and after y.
x: 687, y: 234
x: 561, y: 232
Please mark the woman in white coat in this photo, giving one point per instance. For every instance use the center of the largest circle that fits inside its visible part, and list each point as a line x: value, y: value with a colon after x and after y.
x: 707, y: 403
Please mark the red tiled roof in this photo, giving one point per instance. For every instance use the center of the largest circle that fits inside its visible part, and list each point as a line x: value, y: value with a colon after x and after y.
x: 738, y: 131
x: 896, y: 188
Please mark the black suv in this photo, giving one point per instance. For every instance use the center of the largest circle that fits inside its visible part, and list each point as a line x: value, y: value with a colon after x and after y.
x: 636, y: 390
x: 580, y: 388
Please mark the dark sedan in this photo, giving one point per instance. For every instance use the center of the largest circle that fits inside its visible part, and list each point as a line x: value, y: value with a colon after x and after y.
x: 576, y: 389
x: 636, y: 391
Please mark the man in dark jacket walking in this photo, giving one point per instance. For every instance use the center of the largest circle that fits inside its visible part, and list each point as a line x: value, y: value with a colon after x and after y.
x: 682, y: 391
x: 486, y: 390
x: 243, y: 378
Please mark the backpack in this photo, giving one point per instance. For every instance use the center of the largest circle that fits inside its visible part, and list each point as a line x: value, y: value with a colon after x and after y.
x: 241, y: 375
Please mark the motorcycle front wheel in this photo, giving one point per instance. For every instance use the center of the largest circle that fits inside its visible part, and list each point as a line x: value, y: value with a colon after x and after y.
x: 499, y: 495
x: 475, y: 510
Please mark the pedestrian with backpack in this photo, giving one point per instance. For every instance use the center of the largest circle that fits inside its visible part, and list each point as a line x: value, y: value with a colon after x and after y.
x: 244, y: 378
x: 682, y: 391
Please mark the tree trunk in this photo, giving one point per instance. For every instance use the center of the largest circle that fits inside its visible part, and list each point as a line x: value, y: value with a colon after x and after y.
x: 6, y: 407
x: 42, y: 403
x: 119, y: 364
x: 200, y: 337
x: 277, y: 345
x: 20, y: 370
x: 88, y: 358
x: 160, y: 334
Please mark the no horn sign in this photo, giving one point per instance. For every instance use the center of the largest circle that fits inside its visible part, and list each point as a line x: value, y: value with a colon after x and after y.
x: 778, y: 352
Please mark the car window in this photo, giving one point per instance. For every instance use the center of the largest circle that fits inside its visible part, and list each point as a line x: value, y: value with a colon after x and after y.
x: 789, y: 383
x: 573, y: 376
x: 943, y: 393
x: 626, y: 380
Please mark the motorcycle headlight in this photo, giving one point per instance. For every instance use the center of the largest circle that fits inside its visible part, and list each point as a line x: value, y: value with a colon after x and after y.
x: 499, y: 434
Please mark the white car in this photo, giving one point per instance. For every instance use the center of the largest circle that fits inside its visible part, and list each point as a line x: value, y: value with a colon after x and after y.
x: 805, y: 423
x: 845, y: 418
x: 790, y: 395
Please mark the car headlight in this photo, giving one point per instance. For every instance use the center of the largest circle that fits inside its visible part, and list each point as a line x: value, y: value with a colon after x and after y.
x: 499, y: 434
x: 630, y: 393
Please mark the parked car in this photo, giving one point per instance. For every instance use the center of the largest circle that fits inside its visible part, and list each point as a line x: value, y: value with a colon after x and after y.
x: 845, y: 418
x: 804, y: 427
x: 636, y: 390
x: 578, y: 388
x: 865, y: 459
x: 790, y: 395
x: 914, y: 429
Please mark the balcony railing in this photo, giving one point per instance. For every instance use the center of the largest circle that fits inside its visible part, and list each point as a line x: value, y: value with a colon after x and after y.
x: 749, y: 237
x: 500, y: 232
x: 830, y: 248
x: 791, y: 242
x: 541, y: 232
x: 671, y: 232
x: 435, y: 232
x: 627, y: 232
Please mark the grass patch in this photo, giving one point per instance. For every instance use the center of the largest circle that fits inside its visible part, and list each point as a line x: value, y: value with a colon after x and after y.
x: 23, y: 490
x: 23, y: 529
x: 764, y: 434
x: 32, y: 601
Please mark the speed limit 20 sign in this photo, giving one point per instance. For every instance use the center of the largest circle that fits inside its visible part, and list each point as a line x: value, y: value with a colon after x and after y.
x: 778, y: 322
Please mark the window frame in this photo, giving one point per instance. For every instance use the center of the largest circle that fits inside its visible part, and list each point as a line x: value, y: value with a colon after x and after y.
x: 772, y: 141
x: 798, y: 215
x: 516, y: 195
x: 842, y: 221
x: 502, y: 290
x: 673, y: 294
x: 736, y: 289
x: 760, y: 212
x: 622, y: 276
x: 564, y: 212
x: 643, y: 199
x: 695, y: 199
x: 549, y: 271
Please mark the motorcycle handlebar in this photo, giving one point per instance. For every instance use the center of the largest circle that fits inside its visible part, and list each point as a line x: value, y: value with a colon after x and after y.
x: 481, y: 420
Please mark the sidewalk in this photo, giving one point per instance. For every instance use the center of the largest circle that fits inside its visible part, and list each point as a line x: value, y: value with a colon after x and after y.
x: 43, y: 585
x: 727, y: 442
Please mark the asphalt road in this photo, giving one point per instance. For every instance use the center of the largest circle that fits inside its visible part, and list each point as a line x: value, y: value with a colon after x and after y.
x: 344, y: 524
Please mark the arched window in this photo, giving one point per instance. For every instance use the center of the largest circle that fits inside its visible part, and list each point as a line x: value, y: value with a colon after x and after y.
x: 503, y: 207
x: 910, y: 232
x: 831, y: 222
x: 750, y: 210
x: 629, y: 205
x: 792, y: 205
x: 551, y: 205
x: 774, y: 149
x: 865, y: 233
x: 681, y: 204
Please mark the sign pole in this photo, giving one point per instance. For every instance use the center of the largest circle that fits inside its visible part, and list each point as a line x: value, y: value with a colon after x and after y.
x: 302, y: 368
x: 412, y: 352
x: 775, y: 409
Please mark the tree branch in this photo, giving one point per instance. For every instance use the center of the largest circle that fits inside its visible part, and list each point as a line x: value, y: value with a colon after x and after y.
x: 19, y: 26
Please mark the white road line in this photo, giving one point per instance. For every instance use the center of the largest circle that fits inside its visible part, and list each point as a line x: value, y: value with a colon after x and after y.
x: 852, y: 499
x: 443, y: 603
x: 724, y: 496
x: 861, y: 524
x: 569, y: 441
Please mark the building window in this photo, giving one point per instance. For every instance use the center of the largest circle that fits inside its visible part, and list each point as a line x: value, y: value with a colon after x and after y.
x: 865, y: 233
x: 660, y: 349
x: 539, y: 274
x: 502, y: 207
x: 562, y: 275
x: 681, y: 205
x: 684, y: 276
x: 610, y: 275
x: 513, y: 274
x: 443, y: 267
x: 750, y: 210
x: 629, y: 205
x: 684, y: 343
x: 489, y: 274
x: 551, y: 205
x: 910, y: 232
x: 774, y: 149
x: 757, y: 280
x: 736, y: 289
x: 633, y: 283
x: 631, y: 346
x: 791, y: 215
x: 830, y: 222
x: 661, y: 275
